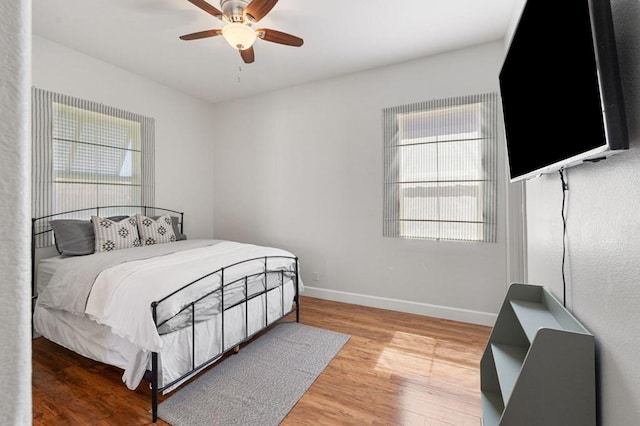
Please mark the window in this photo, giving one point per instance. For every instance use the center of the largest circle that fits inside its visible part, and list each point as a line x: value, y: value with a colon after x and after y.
x: 96, y: 159
x: 87, y: 154
x: 441, y: 169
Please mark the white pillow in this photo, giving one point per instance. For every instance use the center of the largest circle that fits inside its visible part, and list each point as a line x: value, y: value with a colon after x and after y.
x: 111, y: 235
x: 155, y: 231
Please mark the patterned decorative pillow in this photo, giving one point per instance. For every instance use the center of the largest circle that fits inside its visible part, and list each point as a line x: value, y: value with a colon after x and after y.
x: 111, y: 235
x: 175, y: 222
x: 155, y: 231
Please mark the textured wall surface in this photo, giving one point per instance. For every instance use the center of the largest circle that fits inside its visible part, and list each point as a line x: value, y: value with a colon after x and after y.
x: 603, y: 264
x: 15, y: 288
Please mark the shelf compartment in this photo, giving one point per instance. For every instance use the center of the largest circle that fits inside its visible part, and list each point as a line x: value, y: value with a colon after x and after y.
x: 538, y: 366
x: 533, y: 316
x: 508, y: 360
x: 492, y: 408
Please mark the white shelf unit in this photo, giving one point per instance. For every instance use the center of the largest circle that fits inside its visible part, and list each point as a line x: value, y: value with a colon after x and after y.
x: 538, y: 368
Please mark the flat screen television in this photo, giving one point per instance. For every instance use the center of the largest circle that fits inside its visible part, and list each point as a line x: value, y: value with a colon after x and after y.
x: 560, y: 88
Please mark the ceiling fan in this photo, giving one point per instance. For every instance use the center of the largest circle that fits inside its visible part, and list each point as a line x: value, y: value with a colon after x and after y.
x: 239, y: 16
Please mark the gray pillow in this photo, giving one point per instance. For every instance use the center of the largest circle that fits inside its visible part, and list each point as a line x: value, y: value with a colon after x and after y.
x: 119, y: 217
x: 176, y: 227
x: 73, y: 237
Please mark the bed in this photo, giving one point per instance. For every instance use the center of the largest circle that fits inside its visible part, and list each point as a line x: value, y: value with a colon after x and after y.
x: 162, y: 310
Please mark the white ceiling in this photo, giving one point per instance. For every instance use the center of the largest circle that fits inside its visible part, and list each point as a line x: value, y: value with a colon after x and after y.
x: 340, y: 37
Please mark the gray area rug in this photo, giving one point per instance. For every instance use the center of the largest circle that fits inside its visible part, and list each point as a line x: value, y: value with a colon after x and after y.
x: 260, y: 384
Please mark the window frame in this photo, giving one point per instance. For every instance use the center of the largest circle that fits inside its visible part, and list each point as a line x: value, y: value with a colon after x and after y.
x: 450, y: 125
x: 45, y: 196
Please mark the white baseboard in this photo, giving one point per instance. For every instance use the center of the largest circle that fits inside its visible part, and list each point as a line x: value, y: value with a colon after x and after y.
x: 444, y: 312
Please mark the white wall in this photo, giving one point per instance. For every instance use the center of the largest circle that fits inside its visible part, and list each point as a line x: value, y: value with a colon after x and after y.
x: 301, y: 168
x: 184, y: 133
x: 603, y: 267
x: 15, y: 271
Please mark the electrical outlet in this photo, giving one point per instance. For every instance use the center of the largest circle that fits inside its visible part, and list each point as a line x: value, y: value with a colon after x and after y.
x: 316, y: 276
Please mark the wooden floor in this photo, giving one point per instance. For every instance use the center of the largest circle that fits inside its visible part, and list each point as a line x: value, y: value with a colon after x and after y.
x: 396, y: 369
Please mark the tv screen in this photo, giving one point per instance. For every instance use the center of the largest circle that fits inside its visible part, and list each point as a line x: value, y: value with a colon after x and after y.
x: 560, y: 88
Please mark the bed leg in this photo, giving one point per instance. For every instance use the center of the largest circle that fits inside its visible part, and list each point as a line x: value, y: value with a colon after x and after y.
x: 236, y: 349
x: 154, y: 386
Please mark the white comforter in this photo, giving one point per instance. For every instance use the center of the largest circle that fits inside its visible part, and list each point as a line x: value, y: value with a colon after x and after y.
x: 120, y: 296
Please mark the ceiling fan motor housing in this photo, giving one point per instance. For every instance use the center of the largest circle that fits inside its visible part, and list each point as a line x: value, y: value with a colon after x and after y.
x: 234, y: 9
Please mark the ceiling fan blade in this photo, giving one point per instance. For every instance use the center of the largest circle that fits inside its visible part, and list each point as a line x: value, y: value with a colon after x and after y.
x: 201, y: 34
x: 207, y: 8
x: 248, y: 55
x: 279, y: 37
x: 257, y: 9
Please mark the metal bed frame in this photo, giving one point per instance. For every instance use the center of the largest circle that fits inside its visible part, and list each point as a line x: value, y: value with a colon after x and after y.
x: 153, y: 375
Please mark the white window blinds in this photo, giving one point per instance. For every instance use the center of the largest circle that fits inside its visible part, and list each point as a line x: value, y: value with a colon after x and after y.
x: 440, y: 177
x: 87, y: 154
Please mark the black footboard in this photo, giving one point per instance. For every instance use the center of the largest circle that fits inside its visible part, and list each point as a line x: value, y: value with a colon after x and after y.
x: 266, y: 281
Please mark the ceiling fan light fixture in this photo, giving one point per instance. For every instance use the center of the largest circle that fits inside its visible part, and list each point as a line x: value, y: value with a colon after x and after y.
x: 239, y: 36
